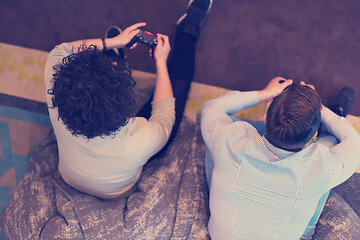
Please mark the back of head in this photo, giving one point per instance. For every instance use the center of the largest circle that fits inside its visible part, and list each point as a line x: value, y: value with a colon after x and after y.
x: 93, y: 93
x: 293, y: 117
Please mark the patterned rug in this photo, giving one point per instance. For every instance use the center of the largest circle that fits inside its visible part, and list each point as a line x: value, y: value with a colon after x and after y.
x: 23, y: 125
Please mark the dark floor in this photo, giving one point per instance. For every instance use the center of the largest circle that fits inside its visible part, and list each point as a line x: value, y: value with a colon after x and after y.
x: 243, y: 43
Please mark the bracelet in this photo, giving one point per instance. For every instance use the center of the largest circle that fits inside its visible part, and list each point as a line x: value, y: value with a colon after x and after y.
x: 104, y: 44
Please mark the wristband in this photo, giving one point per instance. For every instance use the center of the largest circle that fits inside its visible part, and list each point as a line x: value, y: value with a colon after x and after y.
x: 104, y: 44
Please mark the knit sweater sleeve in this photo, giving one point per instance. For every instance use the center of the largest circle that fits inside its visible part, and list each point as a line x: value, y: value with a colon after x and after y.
x: 160, y: 123
x: 54, y: 58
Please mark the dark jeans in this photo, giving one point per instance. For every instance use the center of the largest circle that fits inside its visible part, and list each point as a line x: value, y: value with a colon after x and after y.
x: 181, y: 67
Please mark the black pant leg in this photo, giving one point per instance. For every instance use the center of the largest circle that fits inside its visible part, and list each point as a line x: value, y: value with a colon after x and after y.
x: 181, y: 67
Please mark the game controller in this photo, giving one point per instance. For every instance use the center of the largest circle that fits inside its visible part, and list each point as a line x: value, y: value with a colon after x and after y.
x: 144, y: 37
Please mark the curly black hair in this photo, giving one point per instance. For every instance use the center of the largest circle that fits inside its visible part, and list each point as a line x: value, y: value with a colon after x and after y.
x: 93, y: 93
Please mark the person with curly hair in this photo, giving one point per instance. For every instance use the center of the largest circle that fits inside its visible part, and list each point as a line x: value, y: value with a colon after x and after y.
x: 102, y: 144
x: 93, y: 95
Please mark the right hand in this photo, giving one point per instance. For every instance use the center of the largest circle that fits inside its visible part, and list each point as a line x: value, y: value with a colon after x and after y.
x: 162, y: 49
x: 274, y: 88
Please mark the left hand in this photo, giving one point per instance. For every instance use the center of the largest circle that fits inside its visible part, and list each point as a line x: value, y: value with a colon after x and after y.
x: 313, y: 88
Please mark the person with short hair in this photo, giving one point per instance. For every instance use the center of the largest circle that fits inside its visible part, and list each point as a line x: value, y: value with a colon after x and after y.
x: 272, y: 181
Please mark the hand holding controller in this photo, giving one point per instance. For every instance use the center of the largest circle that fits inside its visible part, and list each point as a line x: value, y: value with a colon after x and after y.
x: 144, y: 37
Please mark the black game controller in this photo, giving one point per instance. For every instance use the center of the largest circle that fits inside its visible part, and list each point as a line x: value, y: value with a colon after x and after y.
x: 144, y: 37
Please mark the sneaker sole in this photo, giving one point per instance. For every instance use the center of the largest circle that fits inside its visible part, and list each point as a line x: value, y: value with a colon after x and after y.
x: 185, y: 14
x: 116, y: 27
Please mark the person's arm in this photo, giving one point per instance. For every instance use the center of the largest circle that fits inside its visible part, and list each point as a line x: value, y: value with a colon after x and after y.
x: 163, y: 87
x: 118, y: 41
x: 163, y: 105
x: 344, y: 156
x: 59, y: 52
x: 215, y: 113
x: 54, y: 58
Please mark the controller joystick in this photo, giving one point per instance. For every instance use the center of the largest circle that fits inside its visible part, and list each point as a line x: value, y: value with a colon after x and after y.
x: 144, y: 37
